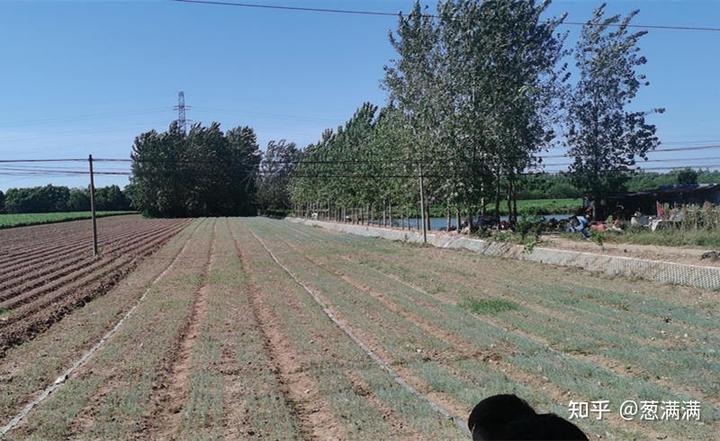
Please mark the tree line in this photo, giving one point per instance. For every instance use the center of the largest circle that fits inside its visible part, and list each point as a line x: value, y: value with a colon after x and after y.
x: 51, y: 198
x: 204, y: 172
x: 273, y: 190
x: 477, y: 93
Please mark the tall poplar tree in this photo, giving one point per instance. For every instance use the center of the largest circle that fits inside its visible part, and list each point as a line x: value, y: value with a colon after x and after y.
x: 606, y: 138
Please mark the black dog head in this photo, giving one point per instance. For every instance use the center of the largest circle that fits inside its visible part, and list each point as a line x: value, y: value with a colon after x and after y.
x: 507, y: 417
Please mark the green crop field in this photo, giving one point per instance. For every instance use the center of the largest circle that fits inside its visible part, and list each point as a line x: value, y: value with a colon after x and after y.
x: 251, y: 328
x: 25, y: 219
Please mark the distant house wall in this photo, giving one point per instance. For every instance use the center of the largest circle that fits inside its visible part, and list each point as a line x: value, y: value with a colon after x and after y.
x: 625, y: 205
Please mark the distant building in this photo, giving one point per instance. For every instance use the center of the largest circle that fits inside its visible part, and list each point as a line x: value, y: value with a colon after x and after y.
x: 624, y: 205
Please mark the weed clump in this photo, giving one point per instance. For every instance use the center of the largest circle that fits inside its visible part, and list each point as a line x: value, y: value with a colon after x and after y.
x: 488, y: 306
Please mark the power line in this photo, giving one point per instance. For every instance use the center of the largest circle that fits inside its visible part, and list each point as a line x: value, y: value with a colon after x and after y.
x: 5, y: 161
x: 294, y: 8
x: 397, y: 14
x: 706, y: 158
x: 55, y: 120
x: 9, y: 171
x: 660, y: 150
x: 679, y: 149
x: 336, y: 162
x: 707, y: 141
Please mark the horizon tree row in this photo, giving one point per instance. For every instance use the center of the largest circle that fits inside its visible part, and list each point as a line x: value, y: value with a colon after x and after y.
x: 53, y: 198
x: 204, y: 172
x: 477, y: 92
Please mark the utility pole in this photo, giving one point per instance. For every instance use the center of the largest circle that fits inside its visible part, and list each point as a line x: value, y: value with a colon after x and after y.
x: 422, y: 204
x: 92, y: 206
x: 181, y: 107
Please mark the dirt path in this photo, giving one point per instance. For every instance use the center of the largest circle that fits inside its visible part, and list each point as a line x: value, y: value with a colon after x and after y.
x: 686, y: 255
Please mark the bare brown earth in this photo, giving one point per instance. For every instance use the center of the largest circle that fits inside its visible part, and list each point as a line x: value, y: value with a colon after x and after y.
x: 261, y: 329
x: 48, y: 271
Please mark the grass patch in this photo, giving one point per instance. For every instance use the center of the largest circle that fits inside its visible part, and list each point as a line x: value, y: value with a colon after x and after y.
x: 488, y: 306
x: 25, y: 219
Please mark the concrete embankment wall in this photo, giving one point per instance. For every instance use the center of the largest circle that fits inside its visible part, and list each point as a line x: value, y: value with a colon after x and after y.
x: 706, y: 277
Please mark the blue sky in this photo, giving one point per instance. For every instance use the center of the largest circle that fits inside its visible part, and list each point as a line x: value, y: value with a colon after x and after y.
x: 81, y: 77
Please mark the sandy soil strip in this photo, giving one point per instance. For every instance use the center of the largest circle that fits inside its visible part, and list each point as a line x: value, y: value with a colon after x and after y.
x: 459, y: 422
x: 87, y: 355
x: 301, y: 390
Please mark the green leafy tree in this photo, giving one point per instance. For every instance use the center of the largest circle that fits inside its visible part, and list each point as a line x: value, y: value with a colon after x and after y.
x: 417, y: 88
x: 202, y: 173
x: 280, y: 159
x: 687, y: 176
x: 480, y: 90
x: 110, y: 198
x: 506, y: 79
x: 47, y: 199
x: 605, y: 138
x: 78, y: 200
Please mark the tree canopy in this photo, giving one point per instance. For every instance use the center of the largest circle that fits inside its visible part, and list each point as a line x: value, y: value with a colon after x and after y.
x: 273, y: 188
x: 478, y: 91
x: 51, y: 198
x: 474, y: 96
x: 206, y: 172
x: 606, y: 138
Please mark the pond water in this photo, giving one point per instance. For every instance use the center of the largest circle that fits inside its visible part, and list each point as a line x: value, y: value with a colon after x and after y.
x: 438, y: 223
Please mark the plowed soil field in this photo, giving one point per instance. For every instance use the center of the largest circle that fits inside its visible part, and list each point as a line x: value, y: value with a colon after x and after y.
x: 48, y: 271
x: 264, y: 329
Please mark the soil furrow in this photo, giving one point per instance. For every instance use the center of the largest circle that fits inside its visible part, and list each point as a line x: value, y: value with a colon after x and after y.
x: 495, y: 358
x: 174, y: 395
x: 315, y: 420
x: 46, y: 280
x: 22, y: 304
x: 441, y: 404
x: 66, y: 259
x: 39, y: 315
x: 109, y: 332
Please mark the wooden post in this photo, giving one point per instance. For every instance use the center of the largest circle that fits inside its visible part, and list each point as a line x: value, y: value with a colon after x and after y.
x: 92, y: 207
x: 422, y: 205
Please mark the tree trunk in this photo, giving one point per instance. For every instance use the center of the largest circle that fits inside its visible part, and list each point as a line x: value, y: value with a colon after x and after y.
x: 509, y: 205
x: 497, y: 198
x: 449, y: 220
x: 427, y: 217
